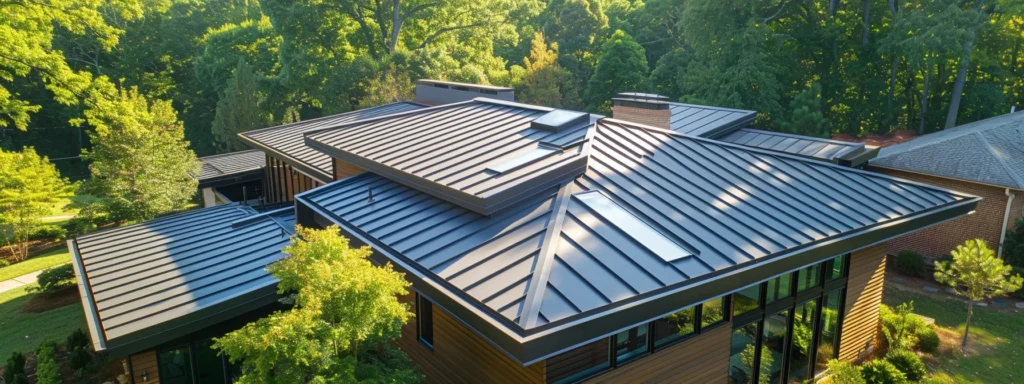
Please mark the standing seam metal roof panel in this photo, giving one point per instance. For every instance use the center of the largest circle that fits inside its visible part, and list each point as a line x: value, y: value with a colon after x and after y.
x: 812, y: 147
x: 233, y: 163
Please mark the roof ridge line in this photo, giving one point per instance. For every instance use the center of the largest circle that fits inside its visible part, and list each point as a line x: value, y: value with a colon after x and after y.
x: 1006, y: 167
x: 545, y: 258
x: 317, y: 131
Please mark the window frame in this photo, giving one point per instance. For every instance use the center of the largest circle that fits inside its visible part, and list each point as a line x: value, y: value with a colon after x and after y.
x: 421, y: 303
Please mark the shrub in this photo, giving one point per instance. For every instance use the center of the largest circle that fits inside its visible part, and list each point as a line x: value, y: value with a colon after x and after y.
x: 881, y: 371
x: 78, y: 339
x: 841, y: 372
x: 49, y: 232
x: 907, y: 362
x: 15, y: 367
x: 79, y: 358
x: 911, y: 263
x: 47, y: 370
x: 928, y: 340
x: 900, y: 326
x: 56, y: 278
x: 4, y: 263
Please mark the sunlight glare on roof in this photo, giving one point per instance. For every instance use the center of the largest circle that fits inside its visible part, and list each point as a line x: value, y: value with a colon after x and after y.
x: 650, y: 238
x: 508, y: 164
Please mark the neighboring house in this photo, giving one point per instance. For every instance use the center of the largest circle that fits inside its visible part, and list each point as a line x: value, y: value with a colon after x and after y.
x: 231, y: 177
x: 984, y: 158
x: 543, y: 246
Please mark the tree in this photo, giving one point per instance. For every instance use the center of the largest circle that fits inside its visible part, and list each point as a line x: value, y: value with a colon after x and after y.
x: 621, y: 68
x: 576, y: 26
x: 344, y: 318
x: 976, y: 274
x: 239, y: 109
x: 1013, y: 245
x: 805, y: 115
x: 141, y: 165
x: 30, y: 187
x: 545, y: 82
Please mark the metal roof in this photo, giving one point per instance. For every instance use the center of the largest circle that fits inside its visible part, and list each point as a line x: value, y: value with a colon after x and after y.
x: 231, y: 167
x: 148, y: 283
x: 704, y: 121
x: 989, y: 151
x: 286, y: 143
x: 553, y: 262
x: 840, y: 152
x: 447, y: 150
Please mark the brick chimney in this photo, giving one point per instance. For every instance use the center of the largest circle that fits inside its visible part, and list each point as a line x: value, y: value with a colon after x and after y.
x: 436, y: 92
x: 642, y: 108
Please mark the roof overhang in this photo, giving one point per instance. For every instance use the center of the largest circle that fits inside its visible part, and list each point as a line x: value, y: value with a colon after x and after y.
x: 296, y: 164
x: 232, y: 179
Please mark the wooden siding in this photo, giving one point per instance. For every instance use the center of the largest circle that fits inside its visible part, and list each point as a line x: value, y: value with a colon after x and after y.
x: 702, y: 359
x: 577, y: 360
x: 343, y: 170
x: 461, y: 356
x: 145, y: 362
x: 283, y: 182
x: 863, y: 298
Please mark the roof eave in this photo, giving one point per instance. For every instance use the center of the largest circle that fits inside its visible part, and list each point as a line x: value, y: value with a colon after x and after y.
x: 297, y: 164
x: 233, y: 178
x: 88, y: 304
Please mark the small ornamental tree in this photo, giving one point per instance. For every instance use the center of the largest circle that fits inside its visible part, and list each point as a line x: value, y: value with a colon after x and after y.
x: 976, y: 274
x: 344, y: 317
x: 30, y: 187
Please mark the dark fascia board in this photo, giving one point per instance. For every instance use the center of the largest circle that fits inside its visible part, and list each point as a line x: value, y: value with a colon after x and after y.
x: 531, y: 346
x: 483, y: 206
x: 92, y: 318
x: 231, y: 179
x: 641, y: 103
x: 297, y: 164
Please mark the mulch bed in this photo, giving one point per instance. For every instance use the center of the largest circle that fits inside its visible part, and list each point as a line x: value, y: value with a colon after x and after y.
x: 48, y: 301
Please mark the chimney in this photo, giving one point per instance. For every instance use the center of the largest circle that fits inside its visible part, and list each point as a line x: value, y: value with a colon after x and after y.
x: 643, y: 108
x: 436, y: 92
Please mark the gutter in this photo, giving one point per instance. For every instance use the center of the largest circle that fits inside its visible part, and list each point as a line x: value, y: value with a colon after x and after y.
x: 1006, y: 221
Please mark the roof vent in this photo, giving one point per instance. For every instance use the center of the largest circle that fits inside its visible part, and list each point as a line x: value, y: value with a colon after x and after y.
x: 560, y: 119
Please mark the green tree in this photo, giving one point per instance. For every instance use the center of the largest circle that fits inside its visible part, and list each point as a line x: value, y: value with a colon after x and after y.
x: 621, y: 68
x: 545, y: 82
x: 30, y: 188
x: 806, y: 116
x: 577, y: 26
x: 341, y: 327
x: 976, y: 274
x: 141, y: 165
x: 239, y: 110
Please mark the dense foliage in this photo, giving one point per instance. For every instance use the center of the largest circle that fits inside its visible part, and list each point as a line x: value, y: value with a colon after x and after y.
x: 911, y: 263
x: 908, y: 362
x: 30, y: 187
x: 14, y: 369
x: 881, y: 371
x: 47, y: 369
x: 842, y: 372
x: 928, y: 340
x: 56, y: 278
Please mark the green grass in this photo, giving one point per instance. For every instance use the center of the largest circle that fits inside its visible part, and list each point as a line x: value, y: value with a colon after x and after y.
x: 22, y: 332
x: 996, y: 338
x: 36, y: 263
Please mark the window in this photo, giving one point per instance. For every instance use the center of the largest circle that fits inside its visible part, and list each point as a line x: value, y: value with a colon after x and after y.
x: 175, y: 365
x: 650, y: 238
x: 209, y: 365
x: 829, y: 331
x: 425, y: 321
x: 772, y: 345
x: 808, y: 277
x: 835, y: 268
x: 800, y: 342
x: 741, y: 354
x: 778, y: 288
x: 630, y: 344
x: 746, y: 300
x: 675, y: 327
x: 712, y: 312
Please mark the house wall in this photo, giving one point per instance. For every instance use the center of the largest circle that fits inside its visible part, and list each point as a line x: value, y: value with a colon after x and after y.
x: 343, y: 170
x: 701, y: 359
x: 460, y: 355
x: 986, y: 222
x: 144, y: 364
x: 860, y: 322
x: 654, y: 117
x: 283, y: 182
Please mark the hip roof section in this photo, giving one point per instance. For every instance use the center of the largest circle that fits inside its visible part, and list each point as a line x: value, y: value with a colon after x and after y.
x: 286, y: 141
x: 230, y: 164
x: 706, y: 121
x: 834, y: 151
x: 162, y: 275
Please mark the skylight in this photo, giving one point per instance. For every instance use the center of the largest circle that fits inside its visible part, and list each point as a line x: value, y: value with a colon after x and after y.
x: 511, y: 163
x: 646, y: 236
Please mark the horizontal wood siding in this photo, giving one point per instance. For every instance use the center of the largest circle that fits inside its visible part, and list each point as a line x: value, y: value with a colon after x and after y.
x: 145, y: 362
x: 343, y: 170
x: 577, y: 360
x: 461, y: 356
x: 863, y: 298
x: 702, y: 359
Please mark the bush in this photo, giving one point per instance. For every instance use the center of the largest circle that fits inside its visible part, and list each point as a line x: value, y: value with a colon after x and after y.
x: 56, y: 278
x: 911, y: 263
x: 47, y: 370
x: 907, y: 362
x: 4, y: 263
x: 79, y: 358
x: 78, y: 339
x: 928, y: 340
x: 15, y: 367
x: 881, y: 371
x: 900, y: 327
x: 49, y: 232
x: 841, y: 372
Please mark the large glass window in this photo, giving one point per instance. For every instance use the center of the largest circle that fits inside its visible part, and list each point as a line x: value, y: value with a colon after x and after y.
x: 425, y: 320
x: 774, y: 341
x: 829, y: 331
x: 835, y: 268
x: 209, y: 365
x: 630, y: 344
x: 800, y: 341
x: 675, y: 326
x: 778, y: 288
x: 741, y: 354
x: 175, y: 365
x: 746, y: 300
x: 712, y: 312
x: 808, y: 277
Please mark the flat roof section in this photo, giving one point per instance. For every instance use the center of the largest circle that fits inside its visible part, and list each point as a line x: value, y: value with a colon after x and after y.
x: 553, y: 271
x: 148, y: 283
x: 835, y: 151
x: 286, y: 141
x: 231, y: 167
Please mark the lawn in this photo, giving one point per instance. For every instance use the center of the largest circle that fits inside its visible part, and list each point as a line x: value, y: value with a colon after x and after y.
x: 995, y: 338
x: 36, y: 263
x: 24, y: 331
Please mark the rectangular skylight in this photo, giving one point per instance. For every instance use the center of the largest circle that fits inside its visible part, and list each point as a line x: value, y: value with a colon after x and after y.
x: 514, y: 162
x: 646, y: 236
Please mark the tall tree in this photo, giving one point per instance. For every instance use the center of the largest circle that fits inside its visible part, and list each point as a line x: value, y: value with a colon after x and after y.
x: 976, y: 274
x: 239, y: 109
x: 545, y: 82
x: 980, y: 12
x: 622, y: 67
x: 141, y: 164
x: 805, y: 114
x: 577, y: 26
x: 30, y: 188
x: 341, y: 327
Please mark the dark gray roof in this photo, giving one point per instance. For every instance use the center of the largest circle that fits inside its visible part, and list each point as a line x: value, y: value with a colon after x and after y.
x: 553, y: 262
x: 146, y: 283
x: 844, y: 152
x: 286, y: 143
x: 989, y: 151
x: 482, y: 154
x: 704, y: 121
x: 232, y: 165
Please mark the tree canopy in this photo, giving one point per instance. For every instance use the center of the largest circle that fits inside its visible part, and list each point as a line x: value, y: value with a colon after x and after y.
x: 30, y: 188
